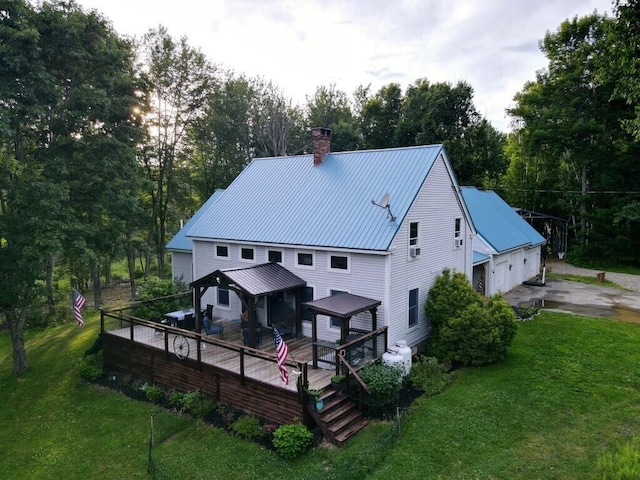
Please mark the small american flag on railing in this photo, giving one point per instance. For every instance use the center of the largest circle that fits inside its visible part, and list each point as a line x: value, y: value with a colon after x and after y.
x: 282, y: 351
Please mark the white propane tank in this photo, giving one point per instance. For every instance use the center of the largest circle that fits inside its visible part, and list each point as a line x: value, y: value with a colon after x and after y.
x: 405, y: 352
x: 392, y: 357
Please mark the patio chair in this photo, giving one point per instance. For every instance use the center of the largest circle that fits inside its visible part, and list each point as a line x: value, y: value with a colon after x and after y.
x: 189, y: 322
x: 245, y: 336
x: 211, y: 329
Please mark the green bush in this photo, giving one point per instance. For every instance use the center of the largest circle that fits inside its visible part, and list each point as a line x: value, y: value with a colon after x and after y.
x: 429, y: 376
x: 153, y: 393
x: 155, y: 288
x: 247, y: 427
x: 384, y: 381
x: 467, y: 329
x: 177, y: 400
x: 89, y: 370
x: 197, y: 405
x: 624, y: 464
x: 449, y: 296
x: 292, y: 440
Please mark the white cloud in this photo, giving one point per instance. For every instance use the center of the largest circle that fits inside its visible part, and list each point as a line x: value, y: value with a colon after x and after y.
x: 490, y: 44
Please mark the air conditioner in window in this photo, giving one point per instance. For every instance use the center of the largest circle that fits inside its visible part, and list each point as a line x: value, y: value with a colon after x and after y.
x: 458, y: 242
x: 414, y: 251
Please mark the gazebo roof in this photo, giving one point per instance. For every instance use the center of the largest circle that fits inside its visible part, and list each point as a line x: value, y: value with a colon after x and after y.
x: 342, y: 305
x: 254, y: 280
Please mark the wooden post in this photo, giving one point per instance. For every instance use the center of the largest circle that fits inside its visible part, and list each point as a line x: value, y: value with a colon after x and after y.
x: 314, y: 337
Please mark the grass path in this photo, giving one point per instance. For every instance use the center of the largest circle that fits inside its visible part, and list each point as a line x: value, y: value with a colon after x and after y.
x: 569, y: 390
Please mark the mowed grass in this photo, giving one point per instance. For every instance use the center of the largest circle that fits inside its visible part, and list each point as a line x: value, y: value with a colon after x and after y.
x: 569, y: 391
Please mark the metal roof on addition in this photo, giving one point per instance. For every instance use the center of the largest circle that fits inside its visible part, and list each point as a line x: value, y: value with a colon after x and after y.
x: 288, y: 200
x: 497, y: 222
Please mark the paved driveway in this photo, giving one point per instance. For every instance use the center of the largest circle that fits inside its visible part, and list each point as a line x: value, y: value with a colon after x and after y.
x: 580, y: 298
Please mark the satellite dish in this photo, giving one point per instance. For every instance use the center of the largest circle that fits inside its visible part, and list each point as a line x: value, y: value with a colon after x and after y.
x: 385, y: 200
x: 384, y: 203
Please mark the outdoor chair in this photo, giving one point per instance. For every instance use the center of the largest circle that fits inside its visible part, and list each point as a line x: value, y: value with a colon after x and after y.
x: 245, y: 336
x: 189, y: 322
x: 211, y: 329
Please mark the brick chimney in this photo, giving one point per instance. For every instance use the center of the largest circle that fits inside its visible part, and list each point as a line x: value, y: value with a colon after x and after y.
x: 321, y: 144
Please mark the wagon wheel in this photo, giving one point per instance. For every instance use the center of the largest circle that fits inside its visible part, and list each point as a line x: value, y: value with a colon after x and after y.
x: 181, y: 346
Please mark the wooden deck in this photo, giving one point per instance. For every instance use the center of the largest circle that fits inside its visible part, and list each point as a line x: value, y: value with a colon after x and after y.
x: 225, y: 353
x: 226, y: 370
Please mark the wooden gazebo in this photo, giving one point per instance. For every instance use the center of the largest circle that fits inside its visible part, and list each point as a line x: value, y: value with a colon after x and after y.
x: 342, y: 306
x: 250, y: 283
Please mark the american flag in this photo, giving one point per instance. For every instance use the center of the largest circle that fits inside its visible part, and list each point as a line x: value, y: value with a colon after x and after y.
x: 282, y: 351
x: 78, y: 303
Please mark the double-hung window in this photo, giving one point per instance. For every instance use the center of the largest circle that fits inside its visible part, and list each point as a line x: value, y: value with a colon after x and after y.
x: 457, y: 233
x: 413, y: 307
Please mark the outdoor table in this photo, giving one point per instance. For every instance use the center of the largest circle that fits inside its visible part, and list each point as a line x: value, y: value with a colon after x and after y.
x: 178, y: 316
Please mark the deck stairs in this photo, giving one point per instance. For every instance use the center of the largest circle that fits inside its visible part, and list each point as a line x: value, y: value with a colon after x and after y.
x: 340, y: 417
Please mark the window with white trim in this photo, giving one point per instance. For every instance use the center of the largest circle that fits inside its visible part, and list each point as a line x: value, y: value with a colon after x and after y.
x: 414, y: 231
x: 457, y: 233
x: 339, y: 262
x: 306, y: 296
x: 247, y: 253
x: 304, y: 259
x: 413, y: 307
x: 274, y: 256
x: 223, y: 297
x: 222, y: 251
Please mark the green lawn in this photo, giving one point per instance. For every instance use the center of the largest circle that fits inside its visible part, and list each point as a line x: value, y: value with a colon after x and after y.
x: 569, y: 391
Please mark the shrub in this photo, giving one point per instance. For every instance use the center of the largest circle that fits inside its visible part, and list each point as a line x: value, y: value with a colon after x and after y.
x: 384, y: 381
x: 624, y: 464
x: 428, y: 375
x: 154, y: 288
x: 177, y: 400
x: 197, y: 405
x: 292, y: 440
x: 247, y: 427
x: 153, y: 393
x: 450, y: 295
x: 89, y: 370
x: 466, y: 328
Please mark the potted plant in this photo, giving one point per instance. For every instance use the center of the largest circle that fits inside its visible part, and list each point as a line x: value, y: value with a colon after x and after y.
x: 314, y: 396
x: 337, y: 382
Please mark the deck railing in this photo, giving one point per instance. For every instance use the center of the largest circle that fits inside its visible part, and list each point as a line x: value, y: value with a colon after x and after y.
x: 361, y: 348
x: 246, y: 361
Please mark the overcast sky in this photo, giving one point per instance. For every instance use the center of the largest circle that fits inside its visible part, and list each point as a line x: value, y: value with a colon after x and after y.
x: 302, y: 44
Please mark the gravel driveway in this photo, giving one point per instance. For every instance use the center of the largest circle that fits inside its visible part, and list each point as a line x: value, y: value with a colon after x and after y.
x: 598, y: 300
x: 631, y: 282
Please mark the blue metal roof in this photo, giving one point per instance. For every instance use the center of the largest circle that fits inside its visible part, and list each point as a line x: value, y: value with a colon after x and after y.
x: 288, y: 200
x: 479, y: 257
x: 497, y: 222
x: 180, y: 240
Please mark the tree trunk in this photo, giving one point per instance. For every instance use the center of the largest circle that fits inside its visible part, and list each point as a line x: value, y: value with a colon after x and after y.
x: 16, y: 328
x: 583, y: 205
x: 49, y: 284
x: 97, y: 285
x: 131, y: 265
